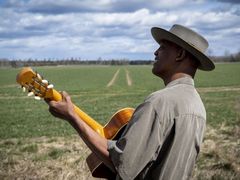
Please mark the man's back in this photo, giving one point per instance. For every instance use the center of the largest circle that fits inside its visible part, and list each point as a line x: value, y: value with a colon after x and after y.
x: 163, y: 137
x: 182, y: 117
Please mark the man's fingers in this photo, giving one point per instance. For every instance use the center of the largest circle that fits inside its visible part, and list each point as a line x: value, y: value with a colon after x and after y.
x: 52, y: 103
x: 66, y: 96
x: 65, y: 93
x: 61, y: 109
x: 54, y: 113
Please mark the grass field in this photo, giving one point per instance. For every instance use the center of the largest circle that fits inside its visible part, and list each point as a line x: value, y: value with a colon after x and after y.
x: 33, y: 144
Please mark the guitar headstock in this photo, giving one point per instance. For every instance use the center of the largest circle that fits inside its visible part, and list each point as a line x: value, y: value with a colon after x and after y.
x: 34, y: 83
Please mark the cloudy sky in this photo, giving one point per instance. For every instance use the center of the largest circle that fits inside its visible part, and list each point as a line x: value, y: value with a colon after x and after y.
x: 89, y: 29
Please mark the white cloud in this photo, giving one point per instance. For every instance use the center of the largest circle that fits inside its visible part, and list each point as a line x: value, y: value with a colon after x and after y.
x: 68, y: 6
x: 108, y: 28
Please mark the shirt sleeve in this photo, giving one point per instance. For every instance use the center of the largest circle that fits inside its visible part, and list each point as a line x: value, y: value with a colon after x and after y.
x: 138, y: 144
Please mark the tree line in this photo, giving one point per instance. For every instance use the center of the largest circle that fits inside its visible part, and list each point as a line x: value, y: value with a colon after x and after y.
x: 71, y: 61
x: 30, y: 62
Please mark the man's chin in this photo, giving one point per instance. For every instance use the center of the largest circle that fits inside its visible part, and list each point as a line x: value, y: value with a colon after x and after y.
x: 154, y: 71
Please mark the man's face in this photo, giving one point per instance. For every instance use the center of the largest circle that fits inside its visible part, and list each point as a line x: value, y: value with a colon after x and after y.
x: 165, y: 57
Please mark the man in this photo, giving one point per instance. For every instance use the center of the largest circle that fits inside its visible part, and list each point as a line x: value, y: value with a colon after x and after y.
x: 163, y: 137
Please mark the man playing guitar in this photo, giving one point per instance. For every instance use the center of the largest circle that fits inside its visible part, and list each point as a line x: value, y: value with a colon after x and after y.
x: 162, y: 139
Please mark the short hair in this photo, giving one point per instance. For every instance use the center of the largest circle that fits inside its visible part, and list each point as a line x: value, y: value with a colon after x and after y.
x: 195, y: 63
x: 194, y: 60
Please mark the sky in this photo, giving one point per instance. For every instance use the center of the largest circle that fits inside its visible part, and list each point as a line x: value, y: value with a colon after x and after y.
x: 110, y: 29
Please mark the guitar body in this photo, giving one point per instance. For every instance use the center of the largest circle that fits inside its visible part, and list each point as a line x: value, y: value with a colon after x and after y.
x: 36, y: 85
x: 113, y: 130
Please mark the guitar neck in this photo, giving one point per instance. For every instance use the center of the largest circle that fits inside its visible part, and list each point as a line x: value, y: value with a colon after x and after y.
x: 85, y: 117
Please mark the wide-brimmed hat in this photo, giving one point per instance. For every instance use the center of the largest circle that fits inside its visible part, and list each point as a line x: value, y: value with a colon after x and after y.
x: 188, y: 39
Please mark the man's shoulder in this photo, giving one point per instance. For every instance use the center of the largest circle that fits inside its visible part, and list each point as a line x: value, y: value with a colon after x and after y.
x: 157, y: 95
x: 166, y: 93
x: 178, y: 95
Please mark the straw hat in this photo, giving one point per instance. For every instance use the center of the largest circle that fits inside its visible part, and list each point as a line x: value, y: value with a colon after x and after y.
x: 188, y: 39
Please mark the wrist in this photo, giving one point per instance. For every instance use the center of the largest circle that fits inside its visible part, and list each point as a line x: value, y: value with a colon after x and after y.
x: 72, y: 117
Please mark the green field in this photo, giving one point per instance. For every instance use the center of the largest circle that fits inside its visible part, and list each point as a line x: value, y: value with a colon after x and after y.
x: 25, y: 121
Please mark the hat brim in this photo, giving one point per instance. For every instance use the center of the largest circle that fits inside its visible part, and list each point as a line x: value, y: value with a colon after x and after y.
x: 160, y: 34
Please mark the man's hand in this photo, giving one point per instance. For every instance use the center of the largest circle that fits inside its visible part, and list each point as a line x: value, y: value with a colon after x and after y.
x: 65, y: 110
x: 62, y: 109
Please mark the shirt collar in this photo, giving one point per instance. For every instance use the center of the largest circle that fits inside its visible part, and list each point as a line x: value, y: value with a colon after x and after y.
x: 183, y: 80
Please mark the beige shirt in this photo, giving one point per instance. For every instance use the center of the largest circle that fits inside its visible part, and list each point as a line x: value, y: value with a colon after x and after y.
x: 162, y: 139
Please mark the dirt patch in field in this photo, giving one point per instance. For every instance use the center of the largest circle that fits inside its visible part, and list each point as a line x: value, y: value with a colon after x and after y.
x: 129, y: 82
x: 44, y: 158
x: 128, y: 78
x: 220, y: 154
x: 64, y: 157
x: 10, y: 86
x: 218, y: 89
x: 112, y: 81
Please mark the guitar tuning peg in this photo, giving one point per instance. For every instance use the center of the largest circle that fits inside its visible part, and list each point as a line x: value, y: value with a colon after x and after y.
x: 45, y: 81
x: 37, y: 98
x: 23, y: 89
x: 50, y: 86
x: 39, y: 77
x: 30, y: 94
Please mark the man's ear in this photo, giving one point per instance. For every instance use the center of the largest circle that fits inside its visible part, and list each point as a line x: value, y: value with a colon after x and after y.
x: 181, y: 55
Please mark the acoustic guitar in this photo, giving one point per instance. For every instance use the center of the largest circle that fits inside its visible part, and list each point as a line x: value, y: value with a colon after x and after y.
x: 40, y: 88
